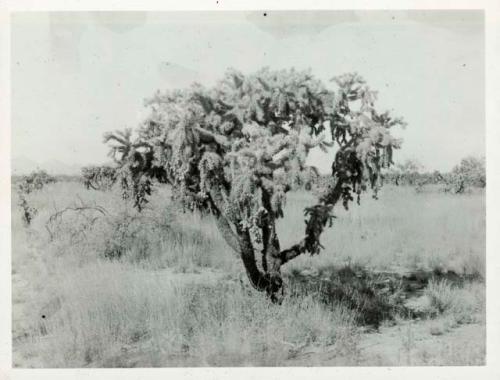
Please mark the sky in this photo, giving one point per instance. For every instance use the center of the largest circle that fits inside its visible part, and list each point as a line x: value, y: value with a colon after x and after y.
x: 75, y: 76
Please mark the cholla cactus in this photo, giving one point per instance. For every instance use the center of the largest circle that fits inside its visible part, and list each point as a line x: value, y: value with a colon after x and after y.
x: 237, y: 149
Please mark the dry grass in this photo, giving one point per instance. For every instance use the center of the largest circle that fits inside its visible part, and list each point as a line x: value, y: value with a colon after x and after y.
x: 122, y: 316
x: 160, y: 288
x: 463, y: 304
x: 401, y: 230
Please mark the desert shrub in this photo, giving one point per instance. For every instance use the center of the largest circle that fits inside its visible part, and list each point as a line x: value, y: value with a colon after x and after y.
x: 133, y: 235
x: 74, y: 225
x: 99, y: 177
x: 28, y: 212
x: 158, y: 236
x: 441, y: 295
x: 428, y: 180
x: 464, y: 303
x: 470, y: 173
x: 25, y: 186
x: 163, y: 238
x: 126, y: 232
x: 34, y: 181
x: 115, y: 232
x: 412, y: 173
x: 406, y: 173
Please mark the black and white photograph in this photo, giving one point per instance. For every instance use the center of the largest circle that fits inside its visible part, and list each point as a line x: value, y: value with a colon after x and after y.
x: 248, y: 188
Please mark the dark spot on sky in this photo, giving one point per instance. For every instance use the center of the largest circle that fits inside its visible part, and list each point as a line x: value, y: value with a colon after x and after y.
x: 463, y: 65
x: 265, y: 14
x: 43, y: 316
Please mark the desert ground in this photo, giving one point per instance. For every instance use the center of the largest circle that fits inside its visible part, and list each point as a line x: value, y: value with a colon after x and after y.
x: 401, y: 281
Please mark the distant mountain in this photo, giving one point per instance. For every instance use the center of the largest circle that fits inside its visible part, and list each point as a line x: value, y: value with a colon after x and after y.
x: 23, y: 165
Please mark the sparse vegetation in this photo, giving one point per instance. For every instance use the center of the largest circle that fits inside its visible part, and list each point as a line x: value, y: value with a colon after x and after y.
x: 173, y: 294
x: 464, y: 177
x: 25, y: 186
x: 471, y: 172
x: 142, y: 267
x: 99, y: 177
x: 406, y: 173
x: 465, y: 304
x: 250, y: 211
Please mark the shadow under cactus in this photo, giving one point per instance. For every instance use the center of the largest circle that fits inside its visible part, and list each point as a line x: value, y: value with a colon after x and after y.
x: 375, y: 296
